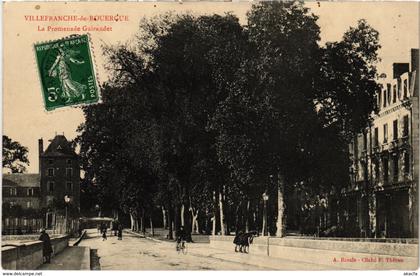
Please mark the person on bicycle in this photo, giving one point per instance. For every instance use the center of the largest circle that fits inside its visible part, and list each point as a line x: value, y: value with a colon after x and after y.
x: 181, y: 236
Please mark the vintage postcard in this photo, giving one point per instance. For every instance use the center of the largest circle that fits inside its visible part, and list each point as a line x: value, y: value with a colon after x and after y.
x: 184, y: 135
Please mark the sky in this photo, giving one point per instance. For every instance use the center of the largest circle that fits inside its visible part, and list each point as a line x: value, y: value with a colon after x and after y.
x: 24, y: 117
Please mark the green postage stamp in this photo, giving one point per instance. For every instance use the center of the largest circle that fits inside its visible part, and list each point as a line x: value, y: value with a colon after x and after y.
x: 67, y: 72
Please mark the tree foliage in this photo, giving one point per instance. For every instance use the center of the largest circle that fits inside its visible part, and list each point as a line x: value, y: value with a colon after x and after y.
x: 15, y: 156
x: 200, y: 106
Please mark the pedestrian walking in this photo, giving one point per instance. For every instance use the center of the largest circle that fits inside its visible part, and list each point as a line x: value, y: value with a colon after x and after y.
x: 120, y: 229
x: 104, y: 234
x: 46, y: 246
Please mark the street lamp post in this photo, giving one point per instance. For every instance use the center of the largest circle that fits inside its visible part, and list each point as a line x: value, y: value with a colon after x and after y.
x: 265, y: 199
x: 66, y: 200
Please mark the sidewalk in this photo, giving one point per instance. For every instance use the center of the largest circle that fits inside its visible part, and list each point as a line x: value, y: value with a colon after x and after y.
x: 71, y: 258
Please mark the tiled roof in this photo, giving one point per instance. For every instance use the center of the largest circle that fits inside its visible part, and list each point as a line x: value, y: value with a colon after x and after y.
x: 21, y: 180
x: 59, y: 146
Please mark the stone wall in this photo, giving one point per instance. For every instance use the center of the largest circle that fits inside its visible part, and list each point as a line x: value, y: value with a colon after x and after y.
x: 29, y: 255
x: 356, y: 255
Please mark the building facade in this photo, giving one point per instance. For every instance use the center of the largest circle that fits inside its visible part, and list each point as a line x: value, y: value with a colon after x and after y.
x: 381, y: 200
x: 21, y: 189
x: 59, y: 176
x: 59, y: 172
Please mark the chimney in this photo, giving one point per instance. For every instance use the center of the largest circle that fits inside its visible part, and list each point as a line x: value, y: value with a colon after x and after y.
x: 399, y: 68
x: 40, y: 152
x: 415, y: 60
x: 415, y: 67
x: 40, y: 146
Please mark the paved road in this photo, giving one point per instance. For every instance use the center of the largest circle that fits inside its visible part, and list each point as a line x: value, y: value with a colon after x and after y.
x: 135, y: 253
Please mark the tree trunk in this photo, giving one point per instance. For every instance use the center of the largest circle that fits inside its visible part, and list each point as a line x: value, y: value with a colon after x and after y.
x: 170, y: 223
x: 264, y: 226
x: 222, y: 220
x: 143, y: 222
x: 115, y: 214
x: 182, y: 215
x: 176, y: 217
x: 136, y: 224
x: 197, y: 225
x: 132, y: 222
x: 164, y: 218
x: 280, y: 215
x: 213, y: 232
x: 247, y: 216
x: 194, y: 223
x: 152, y: 230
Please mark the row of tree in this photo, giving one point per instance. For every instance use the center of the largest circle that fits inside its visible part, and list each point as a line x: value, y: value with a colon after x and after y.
x: 202, y: 115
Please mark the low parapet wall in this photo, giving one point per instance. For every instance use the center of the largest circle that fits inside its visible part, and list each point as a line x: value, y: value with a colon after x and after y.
x: 29, y: 237
x: 331, y: 253
x: 29, y: 255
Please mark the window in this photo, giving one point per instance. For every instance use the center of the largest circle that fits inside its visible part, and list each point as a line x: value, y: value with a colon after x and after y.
x: 376, y: 169
x: 405, y: 126
x: 30, y: 192
x: 395, y: 129
x: 69, y: 172
x: 50, y: 161
x: 384, y: 98
x: 364, y: 141
x: 50, y: 187
x: 386, y: 172
x: 68, y: 161
x: 405, y: 88
x: 388, y: 93
x: 376, y: 137
x: 69, y: 186
x: 395, y: 169
x: 385, y: 133
x: 28, y: 204
x: 50, y: 172
x: 13, y: 191
x: 394, y: 93
x: 406, y: 163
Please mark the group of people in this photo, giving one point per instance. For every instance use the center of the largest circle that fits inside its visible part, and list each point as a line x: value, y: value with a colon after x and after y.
x: 117, y: 228
x: 243, y: 240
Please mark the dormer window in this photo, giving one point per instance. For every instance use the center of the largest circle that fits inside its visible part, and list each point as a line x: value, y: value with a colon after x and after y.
x: 50, y: 161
